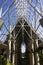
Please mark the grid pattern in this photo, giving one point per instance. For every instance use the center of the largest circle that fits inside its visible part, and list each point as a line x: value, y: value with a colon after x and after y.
x: 12, y: 10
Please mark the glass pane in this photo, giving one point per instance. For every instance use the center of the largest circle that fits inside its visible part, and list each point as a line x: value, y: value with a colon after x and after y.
x: 23, y: 47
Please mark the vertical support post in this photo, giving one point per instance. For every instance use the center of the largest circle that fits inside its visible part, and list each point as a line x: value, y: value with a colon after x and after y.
x: 36, y: 56
x: 37, y: 53
x: 32, y: 47
x: 9, y: 50
x: 32, y: 44
x: 9, y: 42
x: 31, y: 57
x: 13, y: 60
x: 33, y: 53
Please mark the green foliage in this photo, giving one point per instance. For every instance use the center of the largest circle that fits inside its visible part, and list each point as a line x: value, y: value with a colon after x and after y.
x: 41, y: 57
x: 41, y: 60
x: 2, y: 60
x: 9, y: 63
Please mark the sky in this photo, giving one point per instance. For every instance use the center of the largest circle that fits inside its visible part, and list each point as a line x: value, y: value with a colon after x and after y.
x: 11, y: 16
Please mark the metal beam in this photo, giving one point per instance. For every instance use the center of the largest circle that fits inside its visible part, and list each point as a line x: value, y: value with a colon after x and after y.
x: 28, y: 34
x: 35, y: 8
x: 7, y: 9
x: 31, y: 4
x: 18, y: 33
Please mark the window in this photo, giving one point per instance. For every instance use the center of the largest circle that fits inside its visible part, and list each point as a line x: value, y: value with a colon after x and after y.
x: 23, y: 47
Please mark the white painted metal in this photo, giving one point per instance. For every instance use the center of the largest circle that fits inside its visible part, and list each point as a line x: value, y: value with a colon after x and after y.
x: 0, y: 12
x: 37, y: 55
x: 13, y: 59
x: 9, y: 50
x: 33, y: 53
x: 21, y: 8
